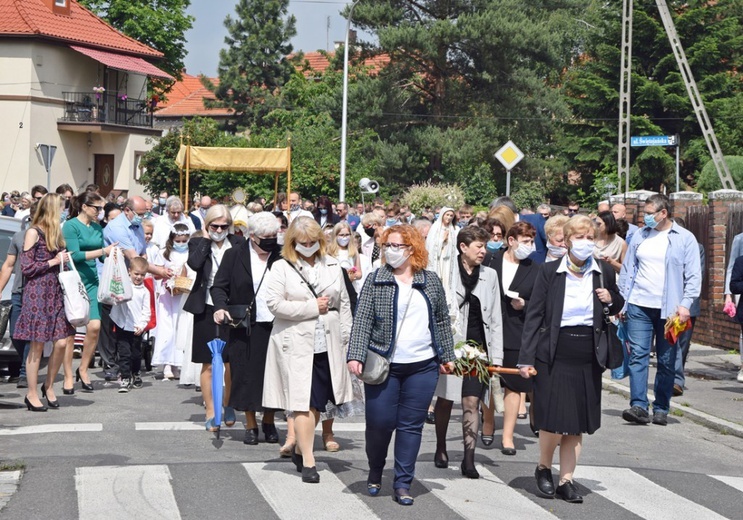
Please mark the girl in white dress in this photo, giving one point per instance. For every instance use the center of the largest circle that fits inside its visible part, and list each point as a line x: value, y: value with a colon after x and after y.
x: 171, y: 319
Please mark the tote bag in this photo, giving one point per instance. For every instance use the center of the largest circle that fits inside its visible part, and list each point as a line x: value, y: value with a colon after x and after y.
x: 115, y: 286
x: 76, y: 300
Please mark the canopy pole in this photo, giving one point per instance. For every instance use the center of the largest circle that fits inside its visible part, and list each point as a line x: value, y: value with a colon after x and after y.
x: 188, y: 175
x: 275, y: 190
x: 289, y: 172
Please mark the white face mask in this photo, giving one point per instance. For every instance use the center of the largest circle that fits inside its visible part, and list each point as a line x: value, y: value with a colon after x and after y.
x: 557, y: 251
x: 523, y: 251
x: 280, y: 238
x: 101, y: 215
x: 343, y: 241
x: 218, y: 237
x: 394, y: 258
x: 307, y: 251
x: 582, y: 249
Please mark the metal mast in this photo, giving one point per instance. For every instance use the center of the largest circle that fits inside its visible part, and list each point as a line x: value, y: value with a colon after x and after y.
x: 625, y: 84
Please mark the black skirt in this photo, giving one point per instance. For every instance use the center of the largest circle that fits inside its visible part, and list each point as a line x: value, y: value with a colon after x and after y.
x: 205, y: 330
x: 322, y: 384
x: 247, y: 366
x: 514, y: 383
x: 567, y: 394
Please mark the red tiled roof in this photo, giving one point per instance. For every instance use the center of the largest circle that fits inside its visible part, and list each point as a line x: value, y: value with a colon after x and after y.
x: 34, y: 18
x: 318, y: 62
x: 186, y: 98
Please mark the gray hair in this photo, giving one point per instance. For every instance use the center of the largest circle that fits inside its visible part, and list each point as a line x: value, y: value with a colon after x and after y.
x: 660, y: 202
x: 544, y: 206
x: 504, y: 201
x: 263, y: 223
x: 215, y: 212
x: 173, y: 202
x: 27, y: 196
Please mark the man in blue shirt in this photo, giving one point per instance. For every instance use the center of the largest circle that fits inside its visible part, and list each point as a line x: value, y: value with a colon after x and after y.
x: 660, y: 277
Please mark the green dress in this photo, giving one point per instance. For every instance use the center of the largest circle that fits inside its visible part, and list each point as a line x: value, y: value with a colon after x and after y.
x: 80, y: 238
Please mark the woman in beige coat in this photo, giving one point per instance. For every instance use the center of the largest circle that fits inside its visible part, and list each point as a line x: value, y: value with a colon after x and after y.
x: 305, y: 366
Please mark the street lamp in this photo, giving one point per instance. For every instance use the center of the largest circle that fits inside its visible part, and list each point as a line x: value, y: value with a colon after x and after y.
x: 344, y: 115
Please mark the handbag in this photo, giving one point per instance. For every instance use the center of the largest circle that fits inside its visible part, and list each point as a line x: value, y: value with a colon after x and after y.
x: 615, y: 352
x: 240, y: 313
x: 377, y: 367
x: 76, y: 300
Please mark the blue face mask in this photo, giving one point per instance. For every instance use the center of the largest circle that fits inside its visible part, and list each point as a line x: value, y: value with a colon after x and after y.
x: 493, y: 246
x: 651, y: 222
x: 323, y: 211
x: 181, y: 247
x: 391, y: 222
x: 137, y: 220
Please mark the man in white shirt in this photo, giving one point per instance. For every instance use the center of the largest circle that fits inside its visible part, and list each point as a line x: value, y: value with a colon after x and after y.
x: 173, y: 215
x: 205, y: 203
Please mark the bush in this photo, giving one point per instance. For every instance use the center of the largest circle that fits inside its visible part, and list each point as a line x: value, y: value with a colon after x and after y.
x: 709, y: 180
x: 429, y: 195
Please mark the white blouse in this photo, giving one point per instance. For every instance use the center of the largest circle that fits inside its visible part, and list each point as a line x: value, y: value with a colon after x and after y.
x: 577, y: 309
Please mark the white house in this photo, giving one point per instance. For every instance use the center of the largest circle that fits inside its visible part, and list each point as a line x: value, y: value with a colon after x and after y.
x: 70, y: 80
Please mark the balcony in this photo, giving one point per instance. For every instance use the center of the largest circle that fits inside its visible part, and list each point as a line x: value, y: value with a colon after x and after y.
x: 104, y: 112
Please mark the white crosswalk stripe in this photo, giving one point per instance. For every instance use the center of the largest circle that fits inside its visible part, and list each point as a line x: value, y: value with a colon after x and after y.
x: 278, y: 483
x: 640, y: 495
x: 477, y: 499
x: 125, y: 492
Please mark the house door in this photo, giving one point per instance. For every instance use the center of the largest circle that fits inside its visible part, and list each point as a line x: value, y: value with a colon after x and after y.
x: 103, y: 175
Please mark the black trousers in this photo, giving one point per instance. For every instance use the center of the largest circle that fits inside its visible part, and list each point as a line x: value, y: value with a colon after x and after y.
x: 107, y: 340
x: 129, y: 346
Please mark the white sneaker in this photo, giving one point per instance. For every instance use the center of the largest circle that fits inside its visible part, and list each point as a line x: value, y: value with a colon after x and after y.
x: 740, y: 375
x: 167, y: 372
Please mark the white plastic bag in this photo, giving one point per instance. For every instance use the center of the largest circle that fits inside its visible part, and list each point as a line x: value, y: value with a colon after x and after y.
x: 115, y: 286
x: 76, y: 300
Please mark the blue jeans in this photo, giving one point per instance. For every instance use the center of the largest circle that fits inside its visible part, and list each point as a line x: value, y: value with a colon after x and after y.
x: 21, y: 346
x: 400, y: 404
x: 642, y: 323
x: 684, y: 342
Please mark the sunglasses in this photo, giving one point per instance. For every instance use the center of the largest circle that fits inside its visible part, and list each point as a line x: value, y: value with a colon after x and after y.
x: 218, y: 227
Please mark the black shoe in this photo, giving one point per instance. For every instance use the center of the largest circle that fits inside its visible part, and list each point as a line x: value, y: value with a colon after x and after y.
x: 569, y: 493
x: 470, y: 472
x: 137, y: 381
x: 636, y: 415
x: 507, y: 451
x: 270, y: 433
x: 660, y: 418
x: 297, y: 460
x: 32, y: 408
x: 678, y: 390
x: 402, y: 496
x: 49, y: 402
x: 251, y: 436
x: 68, y: 391
x: 545, y: 484
x: 88, y: 387
x: 22, y: 382
x: 487, y: 440
x: 430, y: 418
x: 310, y: 475
x: 441, y: 460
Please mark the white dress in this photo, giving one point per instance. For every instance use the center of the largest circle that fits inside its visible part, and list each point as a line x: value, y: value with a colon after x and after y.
x: 171, y: 319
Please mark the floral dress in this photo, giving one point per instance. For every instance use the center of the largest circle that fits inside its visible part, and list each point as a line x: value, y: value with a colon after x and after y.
x: 42, y: 315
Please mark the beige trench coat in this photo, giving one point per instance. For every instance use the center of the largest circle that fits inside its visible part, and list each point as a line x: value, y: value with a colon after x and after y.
x: 288, y: 375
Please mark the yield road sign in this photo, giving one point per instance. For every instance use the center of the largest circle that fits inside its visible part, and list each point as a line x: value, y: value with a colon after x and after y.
x: 509, y: 155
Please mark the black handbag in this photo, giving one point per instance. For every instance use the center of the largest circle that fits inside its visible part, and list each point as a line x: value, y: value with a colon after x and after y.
x: 614, y: 349
x: 241, y: 313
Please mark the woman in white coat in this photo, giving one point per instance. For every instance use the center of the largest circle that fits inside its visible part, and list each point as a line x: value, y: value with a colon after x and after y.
x: 305, y: 365
x: 477, y: 311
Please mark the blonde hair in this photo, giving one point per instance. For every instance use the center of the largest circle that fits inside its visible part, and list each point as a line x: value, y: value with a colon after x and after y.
x: 47, y: 219
x: 302, y: 229
x: 554, y: 223
x: 333, y: 245
x: 505, y: 215
x: 216, y: 212
x: 578, y: 224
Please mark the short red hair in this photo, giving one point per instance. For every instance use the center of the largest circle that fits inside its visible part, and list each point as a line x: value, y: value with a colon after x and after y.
x: 413, y: 238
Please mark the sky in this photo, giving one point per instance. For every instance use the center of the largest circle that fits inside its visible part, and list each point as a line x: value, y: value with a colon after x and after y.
x: 206, y: 38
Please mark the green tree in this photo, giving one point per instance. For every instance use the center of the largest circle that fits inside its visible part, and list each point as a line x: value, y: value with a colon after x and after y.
x: 161, y: 24
x: 255, y: 64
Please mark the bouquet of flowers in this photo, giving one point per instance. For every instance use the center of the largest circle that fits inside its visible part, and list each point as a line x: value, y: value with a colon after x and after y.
x: 472, y: 360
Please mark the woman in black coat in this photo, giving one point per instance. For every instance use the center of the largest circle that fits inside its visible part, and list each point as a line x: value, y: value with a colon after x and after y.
x: 239, y: 279
x: 516, y: 274
x: 323, y: 212
x: 564, y: 340
x: 205, y: 254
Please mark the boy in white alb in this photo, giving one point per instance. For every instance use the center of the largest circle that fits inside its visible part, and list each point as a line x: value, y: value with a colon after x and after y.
x: 130, y: 319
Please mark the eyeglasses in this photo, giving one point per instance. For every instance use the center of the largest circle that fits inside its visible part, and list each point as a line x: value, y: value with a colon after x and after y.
x: 218, y: 227
x: 39, y: 197
x: 394, y: 247
x: 497, y: 235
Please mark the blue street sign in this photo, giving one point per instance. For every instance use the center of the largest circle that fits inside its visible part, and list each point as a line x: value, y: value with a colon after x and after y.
x: 653, y: 140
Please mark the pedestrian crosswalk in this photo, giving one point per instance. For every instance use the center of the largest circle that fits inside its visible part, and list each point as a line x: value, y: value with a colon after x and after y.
x: 504, y: 490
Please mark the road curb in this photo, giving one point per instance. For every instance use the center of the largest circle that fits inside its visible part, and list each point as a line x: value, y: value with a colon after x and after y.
x: 705, y: 419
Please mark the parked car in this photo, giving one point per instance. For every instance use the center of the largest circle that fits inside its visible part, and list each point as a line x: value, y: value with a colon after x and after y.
x: 8, y: 227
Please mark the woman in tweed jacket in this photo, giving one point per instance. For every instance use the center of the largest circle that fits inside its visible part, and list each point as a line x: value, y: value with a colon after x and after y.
x: 402, y: 315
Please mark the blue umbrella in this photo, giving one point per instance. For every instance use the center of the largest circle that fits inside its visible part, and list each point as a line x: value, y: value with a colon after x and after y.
x: 217, y: 346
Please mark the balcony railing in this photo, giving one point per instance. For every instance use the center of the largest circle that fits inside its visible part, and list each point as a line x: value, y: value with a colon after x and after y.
x: 106, y: 107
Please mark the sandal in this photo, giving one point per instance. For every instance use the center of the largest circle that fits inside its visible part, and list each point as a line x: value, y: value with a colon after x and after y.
x: 286, y: 450
x: 210, y: 426
x: 521, y: 416
x: 330, y: 444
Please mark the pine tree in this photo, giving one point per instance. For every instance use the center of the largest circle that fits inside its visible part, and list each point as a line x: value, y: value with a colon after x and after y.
x: 255, y: 64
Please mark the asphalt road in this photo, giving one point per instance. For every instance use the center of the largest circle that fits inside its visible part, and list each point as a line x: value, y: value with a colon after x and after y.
x: 146, y: 455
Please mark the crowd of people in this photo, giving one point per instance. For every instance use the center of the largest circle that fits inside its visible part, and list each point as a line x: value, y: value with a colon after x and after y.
x: 306, y: 294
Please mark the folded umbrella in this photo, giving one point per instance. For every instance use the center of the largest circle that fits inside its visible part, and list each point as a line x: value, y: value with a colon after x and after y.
x: 216, y: 346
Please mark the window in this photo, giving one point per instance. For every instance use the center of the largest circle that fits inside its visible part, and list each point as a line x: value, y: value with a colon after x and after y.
x: 60, y: 3
x: 138, y: 168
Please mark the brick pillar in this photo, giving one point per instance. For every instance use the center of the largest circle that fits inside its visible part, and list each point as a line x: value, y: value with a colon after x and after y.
x: 642, y: 197
x: 630, y: 203
x: 714, y: 327
x: 681, y: 200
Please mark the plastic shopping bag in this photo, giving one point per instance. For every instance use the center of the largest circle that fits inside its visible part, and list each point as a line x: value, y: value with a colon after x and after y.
x: 115, y: 286
x: 76, y: 300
